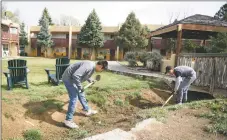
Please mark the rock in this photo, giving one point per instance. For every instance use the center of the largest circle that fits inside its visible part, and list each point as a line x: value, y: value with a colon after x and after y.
x: 116, y: 134
x: 144, y: 124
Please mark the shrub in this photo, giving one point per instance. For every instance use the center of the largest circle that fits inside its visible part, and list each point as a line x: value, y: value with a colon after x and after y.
x: 131, y: 58
x: 100, y: 58
x: 86, y: 55
x: 154, y: 61
x: 143, y: 56
x: 23, y: 53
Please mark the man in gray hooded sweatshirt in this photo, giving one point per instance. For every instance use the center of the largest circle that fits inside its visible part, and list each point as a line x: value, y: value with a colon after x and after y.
x: 73, y: 76
x: 185, y: 76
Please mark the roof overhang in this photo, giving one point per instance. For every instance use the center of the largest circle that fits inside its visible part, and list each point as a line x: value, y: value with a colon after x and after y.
x: 190, y: 31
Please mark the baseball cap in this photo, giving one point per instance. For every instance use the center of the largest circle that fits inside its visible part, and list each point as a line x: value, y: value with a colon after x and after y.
x: 168, y: 68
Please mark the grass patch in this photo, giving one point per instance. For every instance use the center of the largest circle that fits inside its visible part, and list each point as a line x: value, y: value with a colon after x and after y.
x: 119, y: 102
x: 218, y: 116
x: 97, y: 98
x: 158, y: 113
x: 77, y: 134
x: 32, y: 134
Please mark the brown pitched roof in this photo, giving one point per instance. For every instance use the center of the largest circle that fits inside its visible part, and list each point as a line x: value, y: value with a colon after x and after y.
x: 198, y: 19
x: 153, y: 27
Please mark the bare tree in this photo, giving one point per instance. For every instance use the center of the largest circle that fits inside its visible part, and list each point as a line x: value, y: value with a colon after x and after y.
x: 4, y: 7
x: 170, y: 17
x: 68, y: 20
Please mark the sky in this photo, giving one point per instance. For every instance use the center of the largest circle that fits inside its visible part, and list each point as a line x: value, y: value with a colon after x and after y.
x: 113, y: 13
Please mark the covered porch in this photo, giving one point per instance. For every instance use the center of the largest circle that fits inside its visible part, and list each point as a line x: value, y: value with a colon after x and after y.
x: 199, y: 27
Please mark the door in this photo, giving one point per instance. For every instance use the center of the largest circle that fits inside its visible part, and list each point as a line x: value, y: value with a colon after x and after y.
x: 112, y: 54
x: 67, y: 51
x: 79, y: 50
x: 38, y: 51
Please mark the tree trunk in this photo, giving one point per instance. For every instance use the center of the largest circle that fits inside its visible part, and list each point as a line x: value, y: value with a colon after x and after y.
x: 45, y: 53
x: 93, y: 54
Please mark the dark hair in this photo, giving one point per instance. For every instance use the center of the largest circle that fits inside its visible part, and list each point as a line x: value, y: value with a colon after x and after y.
x: 168, y: 68
x: 103, y: 63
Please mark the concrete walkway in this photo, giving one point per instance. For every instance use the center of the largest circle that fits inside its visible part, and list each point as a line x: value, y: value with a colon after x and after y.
x: 115, y: 66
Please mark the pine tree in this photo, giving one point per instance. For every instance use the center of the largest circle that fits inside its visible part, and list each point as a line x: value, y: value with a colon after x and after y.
x: 23, y: 36
x: 44, y: 37
x: 90, y: 34
x: 132, y: 35
x: 218, y: 44
x: 222, y: 13
x: 47, y: 15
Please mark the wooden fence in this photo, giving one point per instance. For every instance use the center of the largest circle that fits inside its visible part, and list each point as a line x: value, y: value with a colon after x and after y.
x: 211, y: 69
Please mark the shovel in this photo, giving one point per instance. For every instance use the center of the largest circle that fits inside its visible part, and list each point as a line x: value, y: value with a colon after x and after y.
x: 97, y: 78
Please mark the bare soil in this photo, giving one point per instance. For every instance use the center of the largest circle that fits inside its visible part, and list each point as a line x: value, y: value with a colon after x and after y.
x: 180, y: 125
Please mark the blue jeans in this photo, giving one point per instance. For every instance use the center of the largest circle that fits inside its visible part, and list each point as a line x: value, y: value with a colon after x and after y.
x: 73, y: 95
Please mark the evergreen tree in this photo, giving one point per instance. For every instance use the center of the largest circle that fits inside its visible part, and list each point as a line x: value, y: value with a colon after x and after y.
x: 23, y: 36
x: 218, y: 44
x: 44, y: 37
x: 47, y: 15
x: 132, y: 35
x: 90, y: 34
x: 222, y: 13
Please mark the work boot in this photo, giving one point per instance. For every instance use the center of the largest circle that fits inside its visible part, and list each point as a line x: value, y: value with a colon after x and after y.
x: 90, y: 112
x: 70, y: 124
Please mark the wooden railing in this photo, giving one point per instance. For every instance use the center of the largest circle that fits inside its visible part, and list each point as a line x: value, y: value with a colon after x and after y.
x: 5, y: 35
x: 211, y: 69
x: 58, y: 42
x: 9, y: 37
x: 61, y: 42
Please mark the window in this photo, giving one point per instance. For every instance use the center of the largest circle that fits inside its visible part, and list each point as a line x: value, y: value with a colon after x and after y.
x: 5, y: 47
x: 67, y: 36
x: 13, y: 30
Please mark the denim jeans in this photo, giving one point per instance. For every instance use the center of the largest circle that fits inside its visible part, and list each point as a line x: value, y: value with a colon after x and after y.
x: 73, y: 96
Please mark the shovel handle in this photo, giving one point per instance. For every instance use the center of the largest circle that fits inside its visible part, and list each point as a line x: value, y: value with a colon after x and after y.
x: 88, y: 85
x: 167, y: 100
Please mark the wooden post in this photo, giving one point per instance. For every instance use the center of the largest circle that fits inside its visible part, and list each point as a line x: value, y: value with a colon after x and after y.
x: 179, y: 40
x: 117, y: 53
x: 149, y: 44
x: 204, y: 42
x: 70, y: 42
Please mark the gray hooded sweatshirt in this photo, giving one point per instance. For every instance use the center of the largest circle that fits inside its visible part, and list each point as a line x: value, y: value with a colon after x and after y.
x: 79, y: 72
x: 182, y: 71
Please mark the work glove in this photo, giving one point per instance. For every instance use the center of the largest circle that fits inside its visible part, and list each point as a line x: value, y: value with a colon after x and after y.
x: 81, y: 90
x: 174, y: 92
x: 91, y: 80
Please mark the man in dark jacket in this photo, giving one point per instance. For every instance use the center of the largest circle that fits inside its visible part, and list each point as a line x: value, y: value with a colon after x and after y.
x: 185, y: 76
x: 73, y: 76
